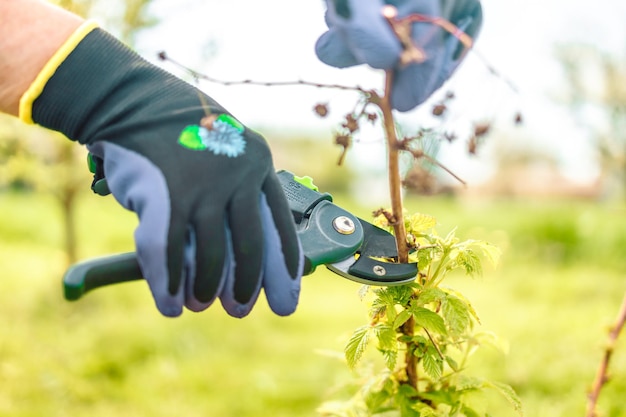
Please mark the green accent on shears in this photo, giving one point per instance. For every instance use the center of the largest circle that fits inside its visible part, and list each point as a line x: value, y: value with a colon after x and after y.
x: 231, y: 121
x: 306, y: 181
x: 190, y: 138
x: 91, y: 163
x: 101, y: 187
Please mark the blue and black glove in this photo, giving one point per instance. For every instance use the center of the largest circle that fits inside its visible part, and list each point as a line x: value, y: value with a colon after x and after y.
x: 358, y: 33
x: 214, y: 221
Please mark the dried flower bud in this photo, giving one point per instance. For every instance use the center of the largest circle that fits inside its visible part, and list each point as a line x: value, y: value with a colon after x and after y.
x: 439, y: 109
x: 321, y: 109
x: 472, y: 145
x: 343, y: 140
x: 351, y: 123
x: 420, y: 180
x: 481, y: 129
x: 387, y: 214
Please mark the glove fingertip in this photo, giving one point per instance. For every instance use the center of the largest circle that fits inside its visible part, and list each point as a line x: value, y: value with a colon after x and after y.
x: 169, y: 307
x: 284, y: 266
x: 227, y: 292
x: 235, y: 309
x: 285, y: 301
x: 282, y: 287
x: 332, y: 50
x: 413, y: 85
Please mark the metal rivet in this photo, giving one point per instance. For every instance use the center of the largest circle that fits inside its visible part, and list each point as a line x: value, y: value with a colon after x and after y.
x: 344, y: 225
x: 379, y: 270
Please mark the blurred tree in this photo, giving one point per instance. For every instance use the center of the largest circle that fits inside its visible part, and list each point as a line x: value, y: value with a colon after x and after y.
x: 35, y: 158
x: 39, y: 159
x: 596, y: 93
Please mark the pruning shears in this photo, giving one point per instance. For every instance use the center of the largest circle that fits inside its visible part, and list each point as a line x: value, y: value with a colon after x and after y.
x: 347, y: 245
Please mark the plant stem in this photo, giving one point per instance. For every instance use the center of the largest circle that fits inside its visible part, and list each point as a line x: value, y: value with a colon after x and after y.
x: 410, y: 360
x: 395, y: 192
x: 601, y: 376
x: 395, y: 183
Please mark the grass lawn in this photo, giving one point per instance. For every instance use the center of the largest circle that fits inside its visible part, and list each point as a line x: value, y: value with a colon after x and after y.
x: 551, y: 301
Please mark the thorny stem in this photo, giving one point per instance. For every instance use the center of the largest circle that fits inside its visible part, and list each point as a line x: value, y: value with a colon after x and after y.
x: 435, y: 344
x: 601, y: 376
x: 410, y: 360
x: 199, y: 76
x: 395, y: 191
x: 395, y: 182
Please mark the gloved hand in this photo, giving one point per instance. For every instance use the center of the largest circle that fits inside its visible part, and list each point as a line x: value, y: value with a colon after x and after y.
x: 359, y: 34
x: 214, y: 221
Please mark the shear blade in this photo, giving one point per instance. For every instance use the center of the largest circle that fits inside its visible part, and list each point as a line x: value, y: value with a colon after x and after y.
x: 373, y: 272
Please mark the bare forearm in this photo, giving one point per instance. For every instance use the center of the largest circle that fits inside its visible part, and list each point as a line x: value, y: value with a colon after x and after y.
x: 31, y: 31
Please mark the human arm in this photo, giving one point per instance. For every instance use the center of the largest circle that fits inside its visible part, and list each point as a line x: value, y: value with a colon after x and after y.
x: 31, y: 31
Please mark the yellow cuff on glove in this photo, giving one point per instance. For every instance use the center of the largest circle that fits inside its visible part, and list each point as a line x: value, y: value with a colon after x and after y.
x: 36, y: 88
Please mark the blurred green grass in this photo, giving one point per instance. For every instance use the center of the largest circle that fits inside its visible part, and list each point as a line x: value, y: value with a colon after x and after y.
x: 557, y: 290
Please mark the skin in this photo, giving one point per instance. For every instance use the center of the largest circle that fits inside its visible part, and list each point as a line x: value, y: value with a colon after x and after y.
x: 31, y: 31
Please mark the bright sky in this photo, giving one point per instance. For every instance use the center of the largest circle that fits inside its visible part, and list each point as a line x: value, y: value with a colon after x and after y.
x: 273, y: 40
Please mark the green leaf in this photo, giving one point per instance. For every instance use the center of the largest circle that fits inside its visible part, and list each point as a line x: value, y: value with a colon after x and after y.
x: 448, y: 396
x: 381, y: 304
x: 467, y: 259
x: 363, y: 291
x: 378, y: 394
x: 488, y: 250
x: 457, y: 315
x: 401, y: 318
x: 508, y: 393
x: 383, y: 299
x: 452, y: 364
x: 387, y: 344
x: 429, y: 320
x: 391, y: 357
x: 419, y: 223
x: 491, y: 252
x: 468, y: 383
x: 431, y: 295
x: 386, y: 335
x: 406, y: 401
x: 420, y: 340
x: 425, y: 410
x: 450, y: 239
x: 433, y: 365
x: 357, y: 344
x: 469, y: 412
x: 424, y: 257
x: 461, y: 297
x: 401, y: 294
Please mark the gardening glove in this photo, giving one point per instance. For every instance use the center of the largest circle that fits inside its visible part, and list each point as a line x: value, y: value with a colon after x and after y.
x: 359, y: 34
x: 213, y: 219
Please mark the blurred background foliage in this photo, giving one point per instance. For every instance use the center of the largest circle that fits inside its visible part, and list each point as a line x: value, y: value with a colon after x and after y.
x: 551, y: 300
